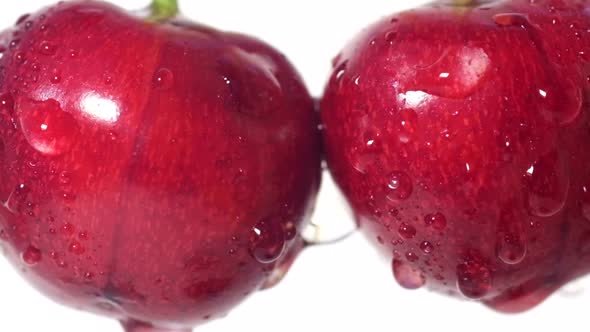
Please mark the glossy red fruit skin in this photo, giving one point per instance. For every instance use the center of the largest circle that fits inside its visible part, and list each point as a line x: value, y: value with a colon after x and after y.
x: 157, y: 172
x: 460, y: 136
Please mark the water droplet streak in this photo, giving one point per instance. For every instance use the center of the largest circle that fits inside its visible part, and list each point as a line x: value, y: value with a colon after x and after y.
x: 474, y: 279
x: 510, y: 248
x: 560, y: 94
x: 548, y: 185
x: 511, y: 244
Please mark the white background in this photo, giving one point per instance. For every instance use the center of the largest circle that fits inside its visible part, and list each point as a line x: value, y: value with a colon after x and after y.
x: 331, y: 288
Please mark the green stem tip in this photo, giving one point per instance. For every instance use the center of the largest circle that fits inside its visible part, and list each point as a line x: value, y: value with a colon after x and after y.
x: 460, y: 3
x: 463, y: 3
x: 164, y: 9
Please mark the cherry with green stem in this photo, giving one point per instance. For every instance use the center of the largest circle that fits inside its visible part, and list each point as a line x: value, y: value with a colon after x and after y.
x: 164, y: 9
x: 155, y: 170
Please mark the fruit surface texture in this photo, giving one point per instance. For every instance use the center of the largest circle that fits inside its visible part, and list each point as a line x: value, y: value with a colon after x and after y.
x: 157, y: 172
x: 460, y: 136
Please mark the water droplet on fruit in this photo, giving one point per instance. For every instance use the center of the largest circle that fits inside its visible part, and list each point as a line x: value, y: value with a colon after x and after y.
x: 474, y: 279
x: 252, y: 83
x: 548, y: 183
x: 6, y: 104
x: 14, y: 43
x: 113, y: 136
x: 16, y: 198
x: 68, y: 196
x: 510, y: 249
x: 31, y: 256
x: 107, y: 305
x: 407, y: 231
x: 427, y: 247
x: 406, y: 276
x: 390, y: 37
x: 456, y: 74
x: 340, y: 70
x: 412, y: 257
x: 510, y: 239
x: 164, y: 79
x: 562, y: 99
x: 76, y: 248
x: 437, y: 220
x: 19, y: 57
x: 267, y: 242
x: 561, y: 96
x: 65, y: 177
x: 380, y: 240
x: 46, y: 127
x: 399, y: 186
x: 368, y: 152
x: 408, y: 119
x: 68, y: 229
x: 55, y: 78
x: 47, y: 48
x: 357, y: 80
x: 290, y: 231
x: 22, y: 18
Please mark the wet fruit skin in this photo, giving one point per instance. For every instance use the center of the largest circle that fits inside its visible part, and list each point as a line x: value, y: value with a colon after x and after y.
x: 153, y: 172
x: 461, y: 138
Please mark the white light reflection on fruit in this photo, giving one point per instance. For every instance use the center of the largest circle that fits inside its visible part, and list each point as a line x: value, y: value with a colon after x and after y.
x: 99, y: 108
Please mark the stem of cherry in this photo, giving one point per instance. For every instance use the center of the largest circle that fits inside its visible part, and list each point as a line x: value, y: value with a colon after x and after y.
x: 461, y: 3
x: 164, y: 9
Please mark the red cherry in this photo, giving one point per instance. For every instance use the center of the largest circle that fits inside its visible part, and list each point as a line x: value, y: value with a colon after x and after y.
x: 479, y: 143
x: 154, y: 170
